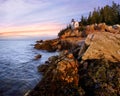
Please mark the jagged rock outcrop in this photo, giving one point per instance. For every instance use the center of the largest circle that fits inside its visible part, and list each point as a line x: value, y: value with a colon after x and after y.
x: 58, y: 44
x: 39, y: 41
x: 71, y: 33
x: 69, y: 38
x: 102, y: 27
x: 90, y: 69
x: 60, y: 77
x: 102, y: 45
x: 49, y: 45
x: 83, y: 31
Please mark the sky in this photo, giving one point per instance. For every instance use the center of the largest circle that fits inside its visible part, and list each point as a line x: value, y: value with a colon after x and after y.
x: 42, y: 17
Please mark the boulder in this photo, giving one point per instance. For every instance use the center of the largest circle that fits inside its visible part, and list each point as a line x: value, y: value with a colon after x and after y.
x: 102, y: 27
x: 38, y: 56
x: 102, y: 45
x: 39, y: 41
x: 49, y: 45
x: 117, y: 26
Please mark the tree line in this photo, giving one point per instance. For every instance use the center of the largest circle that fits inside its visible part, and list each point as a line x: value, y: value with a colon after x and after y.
x: 107, y: 14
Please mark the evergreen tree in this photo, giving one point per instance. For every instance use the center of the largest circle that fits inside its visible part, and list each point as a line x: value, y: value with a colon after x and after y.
x: 89, y: 19
x: 83, y: 20
x: 108, y: 14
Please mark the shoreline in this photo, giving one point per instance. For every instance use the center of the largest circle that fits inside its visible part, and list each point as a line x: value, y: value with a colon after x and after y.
x: 80, y: 68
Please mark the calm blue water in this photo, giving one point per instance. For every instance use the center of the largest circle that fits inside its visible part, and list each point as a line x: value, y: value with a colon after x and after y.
x: 18, y: 70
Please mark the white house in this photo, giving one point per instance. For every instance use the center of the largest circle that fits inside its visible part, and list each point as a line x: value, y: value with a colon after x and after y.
x: 74, y: 24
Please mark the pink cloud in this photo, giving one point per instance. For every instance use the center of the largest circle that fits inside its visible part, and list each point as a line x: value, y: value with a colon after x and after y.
x: 31, y: 30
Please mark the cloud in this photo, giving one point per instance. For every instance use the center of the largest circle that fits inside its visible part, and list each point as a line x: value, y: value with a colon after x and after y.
x: 16, y: 12
x: 31, y: 30
x: 15, y: 8
x: 26, y: 14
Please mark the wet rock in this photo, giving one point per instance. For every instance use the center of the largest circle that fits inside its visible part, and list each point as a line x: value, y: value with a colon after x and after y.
x: 40, y: 41
x: 58, y: 44
x: 43, y: 68
x: 38, y: 56
x: 49, y: 45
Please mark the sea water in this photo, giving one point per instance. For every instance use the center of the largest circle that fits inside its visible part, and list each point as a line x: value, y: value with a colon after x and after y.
x: 18, y: 69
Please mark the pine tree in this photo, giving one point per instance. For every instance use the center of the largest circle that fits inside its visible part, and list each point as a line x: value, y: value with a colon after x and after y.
x: 108, y: 14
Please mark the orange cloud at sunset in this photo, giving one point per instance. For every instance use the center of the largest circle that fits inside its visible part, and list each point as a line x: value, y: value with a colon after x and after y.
x: 31, y: 30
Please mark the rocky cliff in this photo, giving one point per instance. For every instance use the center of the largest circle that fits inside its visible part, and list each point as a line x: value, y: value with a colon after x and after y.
x: 69, y: 38
x: 83, y: 31
x: 58, y: 44
x: 89, y: 67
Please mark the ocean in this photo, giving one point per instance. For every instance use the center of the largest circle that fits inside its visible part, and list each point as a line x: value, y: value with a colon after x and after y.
x: 18, y: 69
